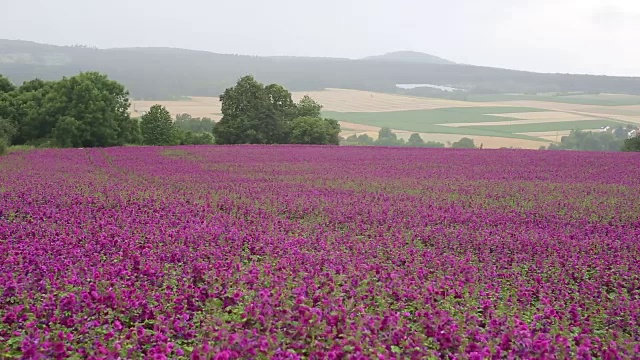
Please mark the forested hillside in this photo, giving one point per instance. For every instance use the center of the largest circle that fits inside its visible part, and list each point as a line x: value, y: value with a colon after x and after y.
x: 163, y: 73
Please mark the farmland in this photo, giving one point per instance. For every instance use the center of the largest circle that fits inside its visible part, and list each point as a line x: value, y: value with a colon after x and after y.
x: 294, y: 252
x: 494, y: 120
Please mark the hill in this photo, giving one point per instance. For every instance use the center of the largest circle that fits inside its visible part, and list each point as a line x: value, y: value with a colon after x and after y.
x: 167, y: 73
x: 409, y: 57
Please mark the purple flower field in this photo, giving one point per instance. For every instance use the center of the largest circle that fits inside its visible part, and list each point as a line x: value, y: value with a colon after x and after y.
x: 290, y: 252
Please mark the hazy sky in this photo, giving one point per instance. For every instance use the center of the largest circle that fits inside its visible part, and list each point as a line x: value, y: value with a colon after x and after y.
x: 578, y: 36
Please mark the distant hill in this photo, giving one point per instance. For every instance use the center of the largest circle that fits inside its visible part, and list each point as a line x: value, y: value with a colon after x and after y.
x: 409, y: 57
x: 166, y: 73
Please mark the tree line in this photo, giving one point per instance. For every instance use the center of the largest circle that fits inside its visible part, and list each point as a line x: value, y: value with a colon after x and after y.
x: 616, y: 140
x: 90, y: 110
x: 386, y: 137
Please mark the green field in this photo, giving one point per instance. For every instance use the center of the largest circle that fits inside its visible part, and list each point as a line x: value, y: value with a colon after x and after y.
x: 555, y: 126
x: 582, y: 99
x: 431, y: 121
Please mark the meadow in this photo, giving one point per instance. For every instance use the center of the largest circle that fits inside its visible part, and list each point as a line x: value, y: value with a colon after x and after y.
x: 312, y: 252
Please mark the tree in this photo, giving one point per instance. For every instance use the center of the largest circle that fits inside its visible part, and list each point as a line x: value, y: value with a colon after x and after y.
x: 632, y: 144
x: 364, y: 139
x: 433, y: 144
x: 248, y: 114
x: 193, y: 124
x: 99, y: 106
x: 315, y: 130
x: 256, y: 114
x: 5, y: 85
x: 307, y: 107
x: 67, y: 132
x: 7, y: 130
x: 157, y: 127
x: 415, y: 140
x: 191, y: 138
x: 386, y: 137
x: 130, y: 132
x: 464, y: 143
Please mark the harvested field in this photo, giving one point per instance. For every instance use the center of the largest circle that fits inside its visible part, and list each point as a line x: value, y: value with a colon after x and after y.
x: 545, y: 115
x: 515, y: 122
x: 488, y: 142
x: 442, y: 119
x: 342, y: 100
x: 197, y: 107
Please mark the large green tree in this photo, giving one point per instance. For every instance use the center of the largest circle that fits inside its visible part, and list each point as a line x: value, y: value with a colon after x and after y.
x: 256, y: 114
x: 93, y: 108
x: 157, y: 127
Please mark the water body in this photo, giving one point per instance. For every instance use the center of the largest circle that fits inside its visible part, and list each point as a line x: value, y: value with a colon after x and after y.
x: 440, y: 87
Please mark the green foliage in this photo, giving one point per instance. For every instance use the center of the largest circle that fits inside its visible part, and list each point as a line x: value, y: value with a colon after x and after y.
x: 464, y: 143
x: 131, y: 133
x: 592, y: 141
x: 66, y: 132
x: 256, y: 114
x: 92, y: 108
x: 415, y: 140
x: 365, y: 139
x: 156, y: 127
x: 386, y: 137
x: 433, y: 144
x: 6, y: 86
x: 314, y: 130
x: 192, y: 138
x: 196, y: 125
x: 248, y: 115
x: 3, y: 146
x: 632, y: 144
x: 7, y: 129
x: 307, y: 107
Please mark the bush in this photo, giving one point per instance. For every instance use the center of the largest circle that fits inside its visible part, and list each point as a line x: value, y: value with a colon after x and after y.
x: 632, y: 144
x: 464, y: 143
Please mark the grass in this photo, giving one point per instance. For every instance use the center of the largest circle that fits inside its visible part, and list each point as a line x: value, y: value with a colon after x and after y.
x: 581, y: 99
x: 429, y: 121
x: 555, y: 126
x: 19, y: 148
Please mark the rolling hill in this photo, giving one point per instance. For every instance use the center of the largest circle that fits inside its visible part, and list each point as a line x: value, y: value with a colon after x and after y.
x: 409, y: 57
x: 168, y: 73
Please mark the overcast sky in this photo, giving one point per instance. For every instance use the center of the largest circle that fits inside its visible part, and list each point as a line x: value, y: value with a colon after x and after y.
x: 577, y: 36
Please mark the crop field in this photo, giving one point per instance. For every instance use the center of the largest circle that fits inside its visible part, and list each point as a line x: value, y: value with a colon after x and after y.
x: 480, y: 118
x: 294, y: 252
x: 582, y: 99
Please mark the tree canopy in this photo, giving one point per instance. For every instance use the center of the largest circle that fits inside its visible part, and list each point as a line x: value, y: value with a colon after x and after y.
x: 613, y: 140
x: 157, y: 127
x: 464, y: 143
x: 84, y: 110
x: 256, y: 114
x: 632, y: 144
